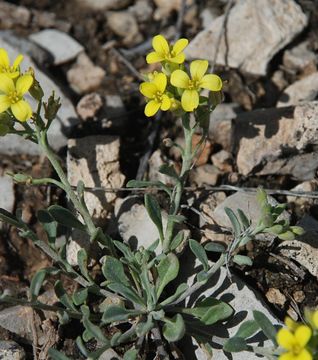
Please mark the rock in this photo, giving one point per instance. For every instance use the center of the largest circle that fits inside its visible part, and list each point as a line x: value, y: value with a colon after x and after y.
x: 7, y: 198
x: 255, y: 32
x: 299, y: 296
x: 274, y: 296
x: 300, y: 91
x: 247, y: 202
x: 223, y: 160
x: 134, y: 224
x: 95, y: 161
x: 124, y: 24
x: 204, y: 152
x: 205, y: 175
x: 306, y: 186
x: 298, y: 57
x: 84, y: 76
x: 272, y: 141
x: 17, y: 319
x: 208, y: 15
x: 60, y: 128
x: 141, y: 10
x: 166, y: 7
x: 278, y: 79
x: 89, y: 105
x: 240, y: 296
x: 110, y: 354
x: 62, y: 47
x: 104, y: 4
x: 302, y: 253
x: 45, y: 19
x: 220, y: 130
x: 155, y: 162
x: 12, y: 16
x: 10, y: 350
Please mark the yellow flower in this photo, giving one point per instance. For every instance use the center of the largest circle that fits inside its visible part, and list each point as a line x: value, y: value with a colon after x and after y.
x: 11, y: 96
x: 154, y: 91
x: 198, y: 81
x: 5, y: 68
x: 295, y: 343
x: 291, y: 324
x: 165, y: 52
x: 312, y: 318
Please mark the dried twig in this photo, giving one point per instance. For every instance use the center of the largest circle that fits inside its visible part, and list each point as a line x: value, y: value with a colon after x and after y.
x: 126, y: 62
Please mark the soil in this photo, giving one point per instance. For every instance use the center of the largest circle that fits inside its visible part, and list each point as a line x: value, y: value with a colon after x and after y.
x: 20, y: 259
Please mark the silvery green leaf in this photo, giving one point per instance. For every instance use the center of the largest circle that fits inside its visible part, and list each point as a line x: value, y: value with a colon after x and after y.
x: 168, y: 170
x: 65, y: 217
x: 113, y: 270
x: 118, y: 313
x: 95, y: 330
x: 49, y: 225
x: 131, y: 354
x: 143, y: 328
x: 64, y: 298
x: 180, y: 290
x: 199, y: 252
x: 242, y: 260
x: 168, y: 269
x: 215, y: 247
x: 174, y: 329
x: 234, y: 221
x: 235, y: 344
x: 80, y: 296
x: 154, y: 212
x: 7, y: 217
x: 247, y: 329
x: 127, y: 292
x: 177, y: 240
x: 266, y: 325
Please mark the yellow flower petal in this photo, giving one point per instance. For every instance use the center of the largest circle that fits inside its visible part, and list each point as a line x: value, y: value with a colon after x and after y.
x: 166, y: 103
x: 180, y: 79
x: 190, y: 100
x: 285, y: 339
x: 198, y: 68
x: 21, y: 110
x: 304, y: 355
x: 287, y: 356
x: 152, y: 107
x: 17, y: 61
x: 211, y: 82
x: 179, y: 59
x: 303, y: 335
x: 315, y: 319
x: 148, y: 89
x: 160, y: 81
x: 4, y: 103
x: 23, y: 84
x: 291, y: 324
x: 4, y: 58
x: 160, y: 44
x: 180, y: 45
x: 12, y: 75
x: 6, y: 84
x: 154, y: 57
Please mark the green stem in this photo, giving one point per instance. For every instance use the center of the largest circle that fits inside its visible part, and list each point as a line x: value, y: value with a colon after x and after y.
x: 187, y: 159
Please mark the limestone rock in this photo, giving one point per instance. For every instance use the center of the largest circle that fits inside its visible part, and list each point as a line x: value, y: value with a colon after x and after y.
x: 95, y: 161
x: 10, y: 350
x: 89, y: 105
x: 84, y: 76
x: 300, y: 56
x: 300, y: 91
x: 62, y: 47
x: 255, y: 32
x: 275, y: 140
x: 7, y: 193
x: 223, y: 160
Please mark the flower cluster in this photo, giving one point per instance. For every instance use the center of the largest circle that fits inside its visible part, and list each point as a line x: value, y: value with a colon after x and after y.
x: 174, y: 88
x: 13, y: 86
x: 299, y: 340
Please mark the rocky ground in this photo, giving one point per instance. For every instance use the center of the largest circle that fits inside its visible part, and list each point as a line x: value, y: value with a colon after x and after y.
x: 91, y: 52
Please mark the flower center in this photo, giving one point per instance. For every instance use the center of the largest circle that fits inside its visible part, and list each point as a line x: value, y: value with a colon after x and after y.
x: 7, y: 69
x: 296, y: 350
x: 14, y: 97
x: 193, y: 84
x: 158, y: 97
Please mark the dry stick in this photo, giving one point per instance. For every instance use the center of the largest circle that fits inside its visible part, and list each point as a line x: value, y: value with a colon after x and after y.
x: 126, y: 62
x: 222, y: 31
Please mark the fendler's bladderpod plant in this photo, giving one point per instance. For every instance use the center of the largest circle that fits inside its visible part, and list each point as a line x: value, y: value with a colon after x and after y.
x: 129, y: 305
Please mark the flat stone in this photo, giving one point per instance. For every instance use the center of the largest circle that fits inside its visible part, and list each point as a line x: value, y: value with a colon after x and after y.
x: 272, y: 140
x: 84, y: 76
x: 306, y: 186
x: 62, y: 47
x: 66, y: 118
x: 298, y: 57
x: 236, y: 293
x: 104, y: 4
x: 134, y: 224
x: 10, y: 350
x: 17, y: 319
x: 95, y: 161
x: 205, y: 175
x: 89, y: 105
x: 110, y: 354
x: 255, y: 32
x: 303, y: 90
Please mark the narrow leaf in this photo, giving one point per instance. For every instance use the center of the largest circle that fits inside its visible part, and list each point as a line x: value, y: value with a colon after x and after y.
x: 95, y: 330
x: 177, y: 240
x: 80, y: 296
x: 235, y: 344
x: 49, y: 225
x: 118, y: 313
x: 63, y: 296
x: 82, y: 263
x: 244, y: 220
x: 127, y: 292
x: 180, y: 290
x: 144, y: 327
x: 215, y: 247
x: 168, y: 170
x: 234, y: 221
x: 113, y: 271
x: 242, y: 260
x: 247, y: 329
x: 154, y: 212
x: 130, y: 354
x: 65, y: 217
x: 267, y: 327
x: 199, y: 252
x: 36, y: 283
x: 168, y: 269
x: 7, y: 217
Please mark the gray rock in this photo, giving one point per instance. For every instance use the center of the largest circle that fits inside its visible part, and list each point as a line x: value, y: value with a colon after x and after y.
x: 247, y: 203
x: 300, y: 91
x: 223, y: 160
x: 95, y: 161
x: 89, y: 105
x: 84, y: 76
x: 110, y: 354
x: 220, y: 130
x: 299, y: 57
x: 134, y: 224
x: 17, y: 319
x: 275, y: 140
x: 62, y: 47
x: 12, y: 16
x: 10, y: 350
x: 155, y: 162
x: 141, y: 10
x: 66, y: 117
x: 7, y: 198
x: 104, y: 4
x: 244, y: 301
x: 205, y: 175
x: 255, y: 32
